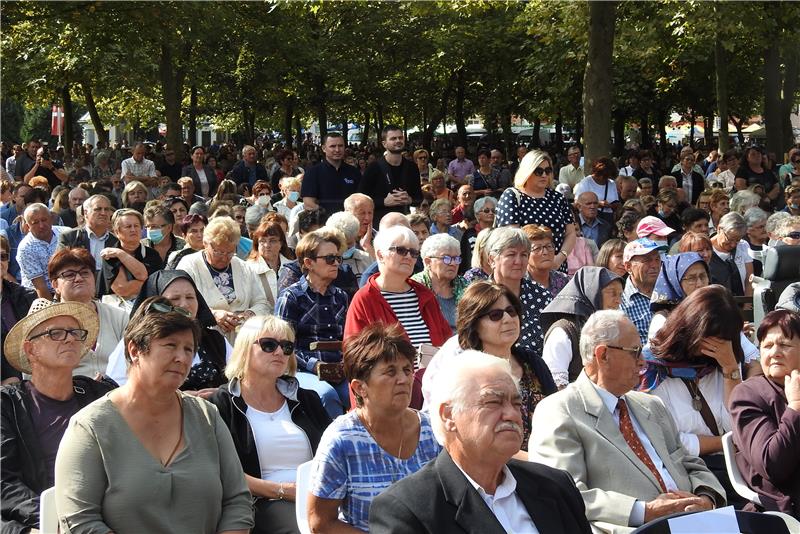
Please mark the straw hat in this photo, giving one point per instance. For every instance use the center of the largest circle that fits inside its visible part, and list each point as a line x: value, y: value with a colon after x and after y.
x: 42, y: 310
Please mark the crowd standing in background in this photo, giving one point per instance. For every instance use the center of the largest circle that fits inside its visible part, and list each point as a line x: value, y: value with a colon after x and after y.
x: 426, y: 327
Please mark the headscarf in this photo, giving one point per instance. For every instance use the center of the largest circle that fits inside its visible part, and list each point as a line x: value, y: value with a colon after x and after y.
x: 157, y: 283
x: 668, y: 292
x: 581, y: 297
x: 659, y: 369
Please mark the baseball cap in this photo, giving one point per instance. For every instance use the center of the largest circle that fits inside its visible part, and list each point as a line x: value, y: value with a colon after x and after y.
x: 652, y: 225
x: 640, y: 247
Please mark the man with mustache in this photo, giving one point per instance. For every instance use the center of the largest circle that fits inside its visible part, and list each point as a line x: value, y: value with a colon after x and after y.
x: 621, y: 447
x: 474, y: 485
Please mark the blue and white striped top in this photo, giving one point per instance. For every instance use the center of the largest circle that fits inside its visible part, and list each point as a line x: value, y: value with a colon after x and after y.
x: 406, y: 307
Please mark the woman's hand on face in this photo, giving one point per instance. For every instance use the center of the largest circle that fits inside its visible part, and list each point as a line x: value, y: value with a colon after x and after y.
x: 721, y: 350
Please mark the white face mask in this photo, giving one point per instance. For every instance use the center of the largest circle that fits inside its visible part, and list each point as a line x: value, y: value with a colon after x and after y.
x: 263, y: 200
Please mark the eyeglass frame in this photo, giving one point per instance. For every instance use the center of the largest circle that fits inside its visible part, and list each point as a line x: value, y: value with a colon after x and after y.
x: 330, y: 259
x: 636, y: 351
x: 405, y: 251
x: 78, y: 334
x: 510, y: 310
x: 448, y: 259
x: 70, y: 274
x: 160, y: 307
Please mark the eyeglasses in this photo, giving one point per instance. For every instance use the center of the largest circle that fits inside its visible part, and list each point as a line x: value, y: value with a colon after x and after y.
x: 496, y: 315
x: 541, y: 249
x: 404, y: 251
x: 793, y: 235
x: 60, y: 334
x: 270, y: 344
x: 486, y: 210
x: 71, y: 275
x: 4, y: 256
x: 330, y: 259
x: 541, y: 171
x: 448, y: 260
x: 635, y: 351
x: 166, y: 308
x: 695, y: 280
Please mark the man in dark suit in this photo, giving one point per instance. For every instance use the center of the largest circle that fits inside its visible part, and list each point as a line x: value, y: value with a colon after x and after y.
x: 592, y: 227
x: 474, y: 485
x: 94, y: 235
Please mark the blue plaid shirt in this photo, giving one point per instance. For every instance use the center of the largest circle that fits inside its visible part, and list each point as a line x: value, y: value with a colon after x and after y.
x: 637, y: 307
x: 314, y: 317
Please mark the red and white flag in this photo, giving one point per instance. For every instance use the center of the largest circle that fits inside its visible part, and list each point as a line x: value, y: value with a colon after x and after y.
x: 57, y: 121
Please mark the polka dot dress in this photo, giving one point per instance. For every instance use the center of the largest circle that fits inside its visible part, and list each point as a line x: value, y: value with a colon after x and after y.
x: 551, y: 210
x: 534, y: 298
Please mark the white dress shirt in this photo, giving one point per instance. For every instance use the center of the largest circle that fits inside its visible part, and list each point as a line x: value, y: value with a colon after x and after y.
x: 506, y: 505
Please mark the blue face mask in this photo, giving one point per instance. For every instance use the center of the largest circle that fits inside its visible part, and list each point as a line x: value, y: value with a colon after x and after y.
x: 349, y: 252
x: 156, y: 236
x: 794, y: 207
x: 294, y: 196
x: 662, y: 214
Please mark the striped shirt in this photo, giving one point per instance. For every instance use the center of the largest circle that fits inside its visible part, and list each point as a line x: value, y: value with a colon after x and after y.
x: 406, y: 307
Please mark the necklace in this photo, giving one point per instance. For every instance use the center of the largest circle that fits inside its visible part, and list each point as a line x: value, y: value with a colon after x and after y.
x: 375, y: 437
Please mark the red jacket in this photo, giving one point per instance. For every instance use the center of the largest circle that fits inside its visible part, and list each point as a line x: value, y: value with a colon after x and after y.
x: 369, y: 306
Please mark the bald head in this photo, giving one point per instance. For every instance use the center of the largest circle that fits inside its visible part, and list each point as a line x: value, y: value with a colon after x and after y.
x: 393, y: 218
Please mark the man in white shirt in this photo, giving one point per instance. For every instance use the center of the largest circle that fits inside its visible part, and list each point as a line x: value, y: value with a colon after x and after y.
x: 620, y: 446
x: 138, y: 168
x: 474, y: 485
x: 572, y: 174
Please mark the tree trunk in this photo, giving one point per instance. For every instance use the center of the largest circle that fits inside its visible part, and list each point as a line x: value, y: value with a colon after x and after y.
x: 597, y: 88
x: 619, y: 132
x: 248, y: 119
x: 773, y: 119
x: 508, y: 136
x: 66, y: 101
x: 579, y: 126
x: 97, y: 122
x: 559, y: 132
x: 345, y: 128
x: 708, y: 130
x: 405, y: 128
x: 691, y: 129
x: 171, y: 91
x: 365, y: 130
x: 299, y: 128
x: 791, y: 80
x: 536, y: 138
x: 459, y: 109
x: 192, y: 126
x: 438, y: 117
x: 288, y: 116
x: 739, y: 128
x: 661, y: 118
x: 644, y: 131
x: 721, y: 69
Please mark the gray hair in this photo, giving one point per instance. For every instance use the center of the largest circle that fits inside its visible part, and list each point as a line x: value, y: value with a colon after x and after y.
x: 33, y: 208
x: 785, y: 225
x: 89, y: 202
x: 742, y: 201
x: 254, y: 214
x: 774, y: 221
x: 438, y: 244
x: 667, y: 178
x: 346, y: 223
x: 602, y: 327
x: 454, y: 385
x: 732, y: 222
x: 479, y: 250
x: 505, y: 238
x: 481, y: 202
x: 352, y: 202
x: 386, y: 238
x: 754, y: 216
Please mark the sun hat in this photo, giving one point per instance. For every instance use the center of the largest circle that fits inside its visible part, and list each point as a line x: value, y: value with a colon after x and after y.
x: 640, y: 247
x: 42, y: 310
x: 653, y: 225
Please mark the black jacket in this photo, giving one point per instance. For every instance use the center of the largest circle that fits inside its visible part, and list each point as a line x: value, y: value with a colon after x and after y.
x: 211, y: 176
x: 304, y: 405
x: 379, y: 181
x: 20, y: 299
x: 79, y: 238
x: 439, y: 498
x: 21, y: 464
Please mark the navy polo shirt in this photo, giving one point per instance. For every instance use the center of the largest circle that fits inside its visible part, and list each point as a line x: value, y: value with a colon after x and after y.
x: 330, y: 186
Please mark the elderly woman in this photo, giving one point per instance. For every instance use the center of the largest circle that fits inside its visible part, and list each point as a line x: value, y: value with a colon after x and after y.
x: 509, y: 250
x: 16, y: 302
x: 540, y: 261
x: 765, y: 410
x: 489, y: 321
x: 742, y: 201
x: 531, y: 201
x: 363, y: 452
x: 72, y: 271
x: 354, y: 257
x: 208, y: 364
x: 276, y: 425
x: 441, y: 256
x: 315, y: 308
x: 135, y: 196
x: 102, y: 170
x: 731, y: 265
x: 179, y: 209
x: 484, y: 209
x: 756, y: 221
x: 610, y: 256
x: 391, y: 296
x: 267, y: 257
x: 147, y: 458
x: 125, y: 268
x: 424, y: 166
x: 719, y: 206
x: 192, y: 228
x: 159, y: 223
x: 48, y: 345
x: 478, y: 268
x: 591, y: 289
x: 231, y: 289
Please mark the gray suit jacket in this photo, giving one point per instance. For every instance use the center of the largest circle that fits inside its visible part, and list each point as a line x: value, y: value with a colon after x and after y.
x: 573, y: 430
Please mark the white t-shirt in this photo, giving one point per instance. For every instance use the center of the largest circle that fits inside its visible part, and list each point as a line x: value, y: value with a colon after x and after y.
x: 606, y: 192
x: 281, y: 444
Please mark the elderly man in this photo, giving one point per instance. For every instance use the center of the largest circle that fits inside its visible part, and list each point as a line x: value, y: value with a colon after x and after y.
x: 465, y: 198
x: 592, y: 227
x: 460, y: 168
x: 474, y: 485
x: 247, y: 170
x: 362, y: 207
x: 69, y: 216
x: 36, y: 249
x: 572, y: 173
x: 187, y: 191
x: 789, y: 230
x: 94, y: 235
x: 621, y: 447
x: 138, y: 168
x: 642, y: 260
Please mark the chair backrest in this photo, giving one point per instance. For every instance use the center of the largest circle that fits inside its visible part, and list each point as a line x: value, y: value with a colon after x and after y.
x: 749, y: 523
x: 737, y: 480
x: 791, y: 523
x: 48, y: 518
x: 301, y: 496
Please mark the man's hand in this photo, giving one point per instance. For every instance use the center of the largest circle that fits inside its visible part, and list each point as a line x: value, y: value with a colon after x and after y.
x: 673, y: 502
x: 397, y: 198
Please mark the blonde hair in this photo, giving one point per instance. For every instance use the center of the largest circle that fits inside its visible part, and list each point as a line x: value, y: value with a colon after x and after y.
x: 528, y: 164
x: 251, y: 331
x: 222, y: 229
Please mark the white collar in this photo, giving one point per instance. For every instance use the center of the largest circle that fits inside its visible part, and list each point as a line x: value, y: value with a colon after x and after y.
x: 507, y: 487
x: 609, y: 399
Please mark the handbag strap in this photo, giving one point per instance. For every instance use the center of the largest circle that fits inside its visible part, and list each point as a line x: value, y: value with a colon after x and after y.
x: 705, y: 409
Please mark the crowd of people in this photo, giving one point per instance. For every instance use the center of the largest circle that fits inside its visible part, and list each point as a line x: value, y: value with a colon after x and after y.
x: 486, y: 345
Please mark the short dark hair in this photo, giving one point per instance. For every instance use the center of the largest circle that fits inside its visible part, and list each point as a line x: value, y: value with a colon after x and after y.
x: 787, y: 320
x: 389, y: 128
x: 331, y: 135
x: 692, y: 215
x: 159, y: 210
x: 476, y: 301
x: 67, y: 257
x: 170, y: 186
x: 374, y: 344
x: 605, y: 167
x: 485, y: 152
x: 192, y: 219
x: 148, y: 324
x: 307, y: 219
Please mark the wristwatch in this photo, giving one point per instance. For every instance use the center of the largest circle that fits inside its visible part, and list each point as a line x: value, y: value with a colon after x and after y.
x: 733, y: 375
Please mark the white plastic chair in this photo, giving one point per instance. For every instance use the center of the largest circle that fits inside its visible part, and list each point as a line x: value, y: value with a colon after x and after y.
x: 301, y: 496
x: 48, y: 518
x: 791, y: 523
x: 737, y: 481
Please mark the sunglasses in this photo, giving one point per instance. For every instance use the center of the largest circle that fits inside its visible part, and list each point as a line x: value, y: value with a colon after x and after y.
x: 404, y: 251
x: 487, y: 210
x: 71, y: 275
x: 166, y: 308
x: 270, y: 344
x: 636, y: 352
x: 496, y: 315
x: 330, y: 259
x: 539, y: 171
x: 448, y: 260
x: 60, y: 334
x: 793, y: 235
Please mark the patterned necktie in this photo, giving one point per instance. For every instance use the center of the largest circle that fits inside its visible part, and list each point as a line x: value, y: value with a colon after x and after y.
x: 626, y: 427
